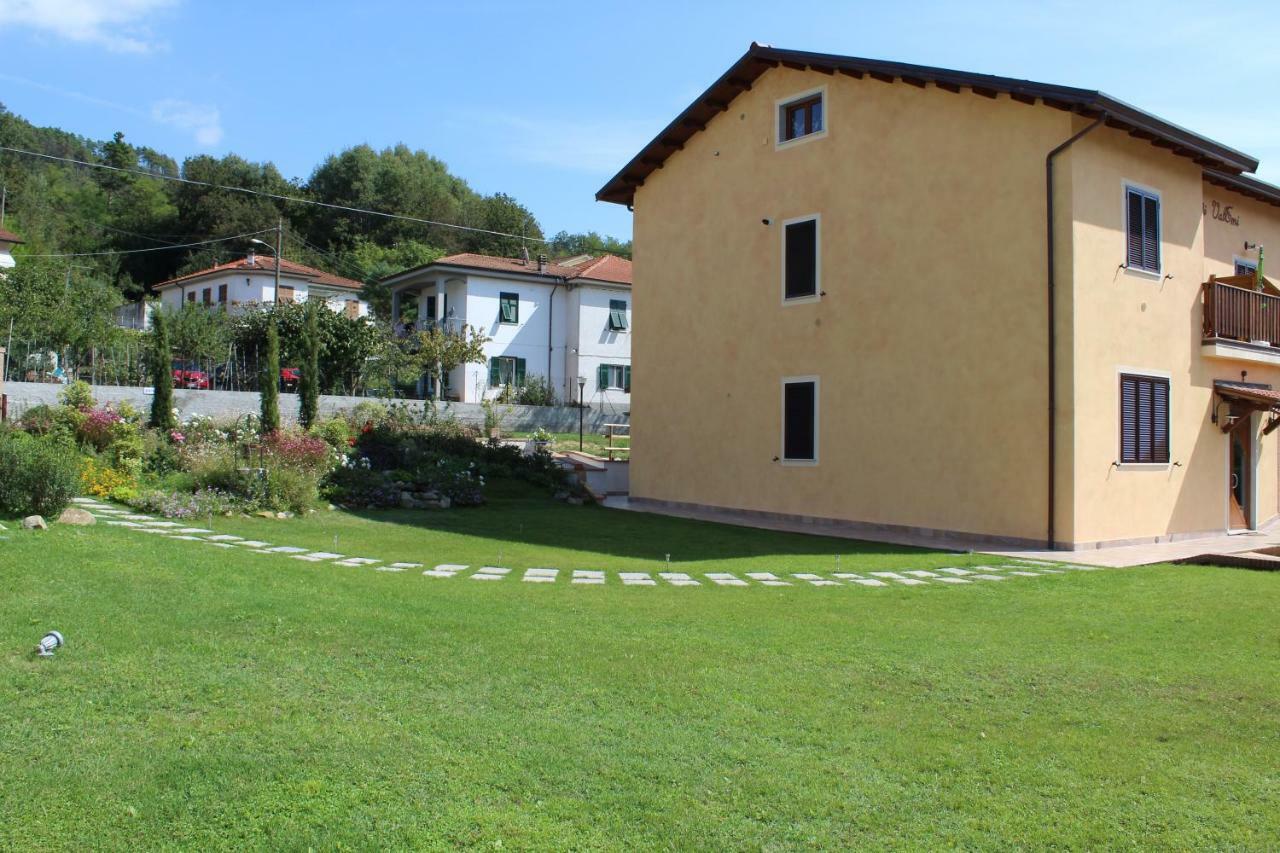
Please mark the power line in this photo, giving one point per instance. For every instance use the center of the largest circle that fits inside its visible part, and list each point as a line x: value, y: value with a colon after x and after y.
x: 277, y: 196
x: 151, y: 249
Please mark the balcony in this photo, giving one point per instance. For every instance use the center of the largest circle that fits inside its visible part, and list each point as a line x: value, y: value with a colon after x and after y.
x: 1240, y: 322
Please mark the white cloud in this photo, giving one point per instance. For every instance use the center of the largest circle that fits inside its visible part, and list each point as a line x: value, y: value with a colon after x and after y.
x: 203, y: 121
x: 600, y: 147
x: 118, y: 25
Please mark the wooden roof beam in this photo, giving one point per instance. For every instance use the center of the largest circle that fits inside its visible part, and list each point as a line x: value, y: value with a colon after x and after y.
x: 1023, y: 98
x: 852, y: 72
x: 947, y: 87
x: 672, y: 143
x: 795, y: 66
x: 918, y: 82
x: 984, y: 91
x: 716, y: 104
x: 881, y: 76
x: 823, y: 69
x: 740, y: 83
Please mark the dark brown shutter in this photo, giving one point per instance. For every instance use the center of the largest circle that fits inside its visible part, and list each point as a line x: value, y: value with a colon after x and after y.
x: 1128, y: 419
x: 1145, y: 420
x: 1160, y: 420
x: 801, y: 259
x: 1134, y: 230
x: 1151, y: 233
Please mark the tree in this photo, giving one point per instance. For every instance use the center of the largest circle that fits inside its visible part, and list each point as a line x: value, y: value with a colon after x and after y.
x: 269, y: 381
x: 375, y: 262
x: 438, y: 352
x: 309, y: 382
x: 347, y: 344
x: 198, y: 331
x: 161, y: 373
x: 565, y: 244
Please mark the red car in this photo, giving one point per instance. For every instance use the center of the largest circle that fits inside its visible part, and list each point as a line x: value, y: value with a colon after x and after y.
x: 189, y: 376
x: 289, y: 378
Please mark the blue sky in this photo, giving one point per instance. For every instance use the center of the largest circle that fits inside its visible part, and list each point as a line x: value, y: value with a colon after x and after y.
x: 546, y: 101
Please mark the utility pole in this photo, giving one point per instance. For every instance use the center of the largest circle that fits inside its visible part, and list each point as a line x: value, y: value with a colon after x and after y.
x: 279, y: 246
x: 4, y: 193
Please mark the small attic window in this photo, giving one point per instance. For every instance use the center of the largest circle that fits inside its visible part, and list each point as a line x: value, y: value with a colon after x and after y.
x: 802, y: 116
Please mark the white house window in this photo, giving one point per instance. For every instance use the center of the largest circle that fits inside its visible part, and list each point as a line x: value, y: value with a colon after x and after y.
x: 614, y: 377
x: 800, y: 258
x: 1142, y: 229
x: 505, y: 370
x: 509, y: 308
x: 801, y: 117
x: 617, y: 315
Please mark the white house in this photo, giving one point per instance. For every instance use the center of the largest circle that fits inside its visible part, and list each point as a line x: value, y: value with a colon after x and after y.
x: 563, y: 321
x: 7, y: 241
x: 251, y: 280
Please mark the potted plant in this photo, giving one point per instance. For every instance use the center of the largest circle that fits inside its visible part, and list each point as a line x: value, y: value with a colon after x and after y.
x: 541, y: 440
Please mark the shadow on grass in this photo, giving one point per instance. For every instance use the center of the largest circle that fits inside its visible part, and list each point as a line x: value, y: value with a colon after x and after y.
x: 516, y: 512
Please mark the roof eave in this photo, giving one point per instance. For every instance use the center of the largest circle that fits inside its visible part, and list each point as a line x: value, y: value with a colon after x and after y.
x: 620, y: 189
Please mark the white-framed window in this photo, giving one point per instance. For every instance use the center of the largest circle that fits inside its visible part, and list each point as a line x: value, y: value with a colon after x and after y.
x: 801, y: 117
x: 1142, y: 229
x: 800, y: 420
x: 1244, y: 266
x: 801, y: 258
x: 614, y: 377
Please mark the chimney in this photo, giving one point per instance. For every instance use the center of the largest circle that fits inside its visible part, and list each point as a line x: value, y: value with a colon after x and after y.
x: 250, y: 258
x: 542, y: 263
x: 524, y: 255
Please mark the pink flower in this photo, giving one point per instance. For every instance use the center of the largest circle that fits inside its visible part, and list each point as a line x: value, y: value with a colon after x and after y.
x: 176, y: 437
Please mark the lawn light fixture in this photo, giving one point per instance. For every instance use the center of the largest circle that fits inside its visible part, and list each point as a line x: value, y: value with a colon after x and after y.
x: 48, y: 643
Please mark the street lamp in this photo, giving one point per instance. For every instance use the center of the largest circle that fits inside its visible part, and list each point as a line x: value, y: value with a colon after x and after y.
x: 582, y: 384
x: 275, y: 250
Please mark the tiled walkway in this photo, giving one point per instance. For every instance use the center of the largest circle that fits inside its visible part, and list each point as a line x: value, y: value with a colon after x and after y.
x: 997, y: 572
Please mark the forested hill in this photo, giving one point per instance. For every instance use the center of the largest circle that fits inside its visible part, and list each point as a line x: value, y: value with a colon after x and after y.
x: 61, y: 208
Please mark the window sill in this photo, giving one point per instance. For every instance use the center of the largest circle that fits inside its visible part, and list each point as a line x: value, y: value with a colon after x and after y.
x: 799, y: 140
x: 1143, y: 466
x: 801, y: 300
x: 1156, y: 275
x: 799, y: 463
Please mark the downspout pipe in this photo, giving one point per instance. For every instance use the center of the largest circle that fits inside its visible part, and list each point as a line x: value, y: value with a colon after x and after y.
x: 1050, y: 521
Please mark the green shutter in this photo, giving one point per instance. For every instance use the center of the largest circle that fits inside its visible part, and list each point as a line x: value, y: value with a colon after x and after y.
x: 602, y: 376
x: 494, y: 379
x: 509, y: 307
x: 617, y: 315
x: 520, y: 372
x: 626, y: 378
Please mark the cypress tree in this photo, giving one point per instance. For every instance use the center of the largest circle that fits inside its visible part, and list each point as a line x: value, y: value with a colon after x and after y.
x: 161, y: 373
x: 309, y: 382
x: 269, y: 381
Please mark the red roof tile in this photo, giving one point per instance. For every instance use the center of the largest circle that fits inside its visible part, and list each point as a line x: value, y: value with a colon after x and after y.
x: 268, y: 265
x: 9, y: 237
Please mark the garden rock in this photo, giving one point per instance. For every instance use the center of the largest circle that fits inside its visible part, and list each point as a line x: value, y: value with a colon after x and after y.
x: 573, y: 501
x: 34, y: 522
x: 76, y: 516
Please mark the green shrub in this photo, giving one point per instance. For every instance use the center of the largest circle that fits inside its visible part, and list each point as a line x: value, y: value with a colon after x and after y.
x: 77, y: 395
x: 37, y: 474
x: 335, y: 433
x: 368, y: 413
x: 536, y: 391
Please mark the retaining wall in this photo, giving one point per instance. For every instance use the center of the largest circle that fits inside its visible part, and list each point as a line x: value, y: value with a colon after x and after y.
x: 228, y: 405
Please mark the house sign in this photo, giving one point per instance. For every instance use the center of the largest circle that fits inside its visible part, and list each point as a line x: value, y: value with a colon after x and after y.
x: 1221, y: 212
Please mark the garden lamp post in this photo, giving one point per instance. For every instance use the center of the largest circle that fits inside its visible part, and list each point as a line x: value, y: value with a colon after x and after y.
x: 582, y: 385
x: 275, y: 250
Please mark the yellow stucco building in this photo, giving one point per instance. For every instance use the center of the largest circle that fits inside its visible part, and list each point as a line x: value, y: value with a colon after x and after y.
x: 905, y: 300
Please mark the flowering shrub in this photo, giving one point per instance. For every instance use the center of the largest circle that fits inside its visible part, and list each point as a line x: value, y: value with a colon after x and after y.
x: 37, y: 474
x: 300, y: 451
x: 95, y: 429
x: 202, y: 502
x: 104, y: 481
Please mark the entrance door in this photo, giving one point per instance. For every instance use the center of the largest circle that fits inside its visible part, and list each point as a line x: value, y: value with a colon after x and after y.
x: 1240, y: 473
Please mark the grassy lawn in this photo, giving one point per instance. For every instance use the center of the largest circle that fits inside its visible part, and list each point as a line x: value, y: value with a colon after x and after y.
x: 212, y: 698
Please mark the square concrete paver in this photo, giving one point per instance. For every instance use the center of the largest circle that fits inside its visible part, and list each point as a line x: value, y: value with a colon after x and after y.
x: 358, y: 561
x: 952, y: 580
x: 588, y: 576
x: 444, y: 570
x: 768, y: 579
x: 403, y: 566
x: 246, y: 543
x: 637, y: 579
x: 540, y: 575
x: 957, y: 572
x: 989, y: 577
x: 920, y: 573
x: 318, y: 556
x: 725, y: 579
x: 282, y: 549
x: 678, y: 579
x: 816, y: 580
x: 867, y: 582
x: 226, y: 537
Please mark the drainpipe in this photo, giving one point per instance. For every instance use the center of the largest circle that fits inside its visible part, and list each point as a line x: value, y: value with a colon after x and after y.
x: 1052, y: 321
x: 551, y: 313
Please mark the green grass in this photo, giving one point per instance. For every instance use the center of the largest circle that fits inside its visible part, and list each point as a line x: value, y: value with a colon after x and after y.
x: 212, y: 698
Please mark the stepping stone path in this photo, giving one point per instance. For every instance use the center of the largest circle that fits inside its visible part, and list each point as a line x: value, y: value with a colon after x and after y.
x: 1018, y: 567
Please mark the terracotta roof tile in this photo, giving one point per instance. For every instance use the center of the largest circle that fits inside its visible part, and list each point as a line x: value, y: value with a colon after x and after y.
x: 268, y: 265
x: 9, y: 237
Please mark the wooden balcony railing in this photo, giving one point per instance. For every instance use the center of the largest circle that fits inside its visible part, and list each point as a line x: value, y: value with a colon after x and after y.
x: 1240, y: 314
